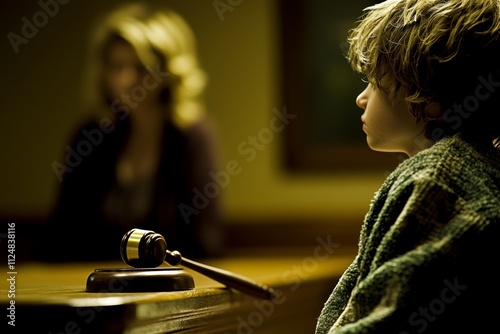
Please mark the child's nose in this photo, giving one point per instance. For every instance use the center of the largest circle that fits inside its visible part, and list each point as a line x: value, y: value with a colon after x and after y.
x: 361, y: 100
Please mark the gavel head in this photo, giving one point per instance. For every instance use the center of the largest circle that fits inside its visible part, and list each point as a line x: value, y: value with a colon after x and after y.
x: 143, y: 248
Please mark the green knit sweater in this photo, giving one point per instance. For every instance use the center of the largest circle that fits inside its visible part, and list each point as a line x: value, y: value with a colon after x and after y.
x: 427, y: 249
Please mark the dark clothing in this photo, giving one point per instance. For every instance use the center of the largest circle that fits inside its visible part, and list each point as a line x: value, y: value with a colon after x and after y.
x: 93, y: 211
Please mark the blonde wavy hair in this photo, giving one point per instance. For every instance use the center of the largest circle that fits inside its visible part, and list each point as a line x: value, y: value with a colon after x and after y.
x: 160, y: 37
x: 432, y: 52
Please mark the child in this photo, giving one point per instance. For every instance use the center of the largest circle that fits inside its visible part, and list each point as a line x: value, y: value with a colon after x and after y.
x: 427, y: 253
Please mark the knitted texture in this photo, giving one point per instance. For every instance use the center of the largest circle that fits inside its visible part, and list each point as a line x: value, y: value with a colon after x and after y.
x: 426, y: 248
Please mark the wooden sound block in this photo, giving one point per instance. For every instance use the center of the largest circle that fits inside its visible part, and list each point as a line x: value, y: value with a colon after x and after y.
x: 139, y: 280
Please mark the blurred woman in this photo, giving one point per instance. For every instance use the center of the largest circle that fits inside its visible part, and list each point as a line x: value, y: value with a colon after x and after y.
x: 143, y: 158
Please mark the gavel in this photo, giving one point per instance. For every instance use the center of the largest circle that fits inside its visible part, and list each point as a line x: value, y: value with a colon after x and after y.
x: 145, y: 249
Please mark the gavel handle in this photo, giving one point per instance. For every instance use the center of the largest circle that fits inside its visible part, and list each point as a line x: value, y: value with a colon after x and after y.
x: 232, y: 280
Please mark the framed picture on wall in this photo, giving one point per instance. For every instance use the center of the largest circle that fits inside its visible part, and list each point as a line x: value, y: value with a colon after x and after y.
x: 320, y: 88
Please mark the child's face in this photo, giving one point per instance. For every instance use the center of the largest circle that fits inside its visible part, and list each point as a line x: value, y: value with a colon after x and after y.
x: 388, y: 124
x: 125, y: 75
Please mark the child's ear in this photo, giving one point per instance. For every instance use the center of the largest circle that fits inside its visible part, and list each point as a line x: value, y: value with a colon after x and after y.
x: 433, y: 110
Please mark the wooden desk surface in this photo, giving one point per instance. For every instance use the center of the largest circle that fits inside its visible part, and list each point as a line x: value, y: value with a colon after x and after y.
x: 52, y: 299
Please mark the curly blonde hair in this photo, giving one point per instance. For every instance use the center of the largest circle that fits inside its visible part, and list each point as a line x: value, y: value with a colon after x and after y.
x: 433, y: 52
x: 160, y: 37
